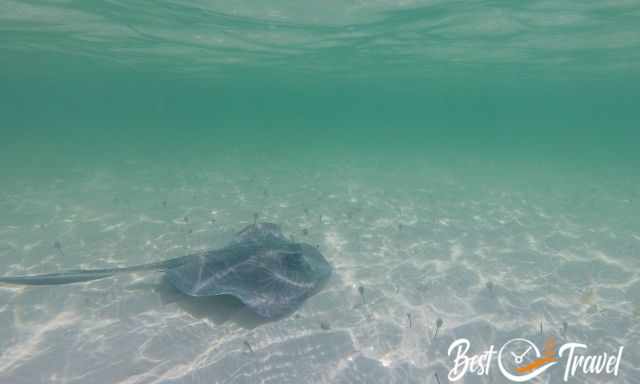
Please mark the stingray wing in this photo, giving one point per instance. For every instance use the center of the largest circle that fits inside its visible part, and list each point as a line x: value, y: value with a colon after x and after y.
x: 253, y: 274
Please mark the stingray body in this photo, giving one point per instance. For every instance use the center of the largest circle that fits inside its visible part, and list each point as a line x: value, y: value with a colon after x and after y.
x: 269, y: 273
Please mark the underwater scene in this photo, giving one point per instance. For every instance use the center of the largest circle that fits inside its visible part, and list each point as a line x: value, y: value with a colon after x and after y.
x: 368, y: 191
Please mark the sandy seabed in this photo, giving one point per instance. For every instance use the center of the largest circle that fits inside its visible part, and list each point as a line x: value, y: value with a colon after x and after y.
x: 494, y: 260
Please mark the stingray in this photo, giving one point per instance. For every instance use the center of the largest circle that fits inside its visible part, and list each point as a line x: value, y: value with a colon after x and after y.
x: 271, y: 274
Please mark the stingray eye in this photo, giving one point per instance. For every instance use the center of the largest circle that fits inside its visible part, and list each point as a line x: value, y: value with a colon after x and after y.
x: 294, y: 260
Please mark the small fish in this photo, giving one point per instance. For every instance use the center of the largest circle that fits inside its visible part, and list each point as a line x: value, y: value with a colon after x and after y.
x: 490, y: 288
x: 246, y: 344
x: 410, y: 320
x: 58, y: 246
x: 437, y: 378
x: 305, y: 231
x: 361, y: 291
x: 325, y: 325
x: 439, y: 323
x: 565, y: 326
x: 164, y: 203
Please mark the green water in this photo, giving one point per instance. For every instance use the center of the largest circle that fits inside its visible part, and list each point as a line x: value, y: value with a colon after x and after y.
x: 427, y: 147
x: 543, y: 80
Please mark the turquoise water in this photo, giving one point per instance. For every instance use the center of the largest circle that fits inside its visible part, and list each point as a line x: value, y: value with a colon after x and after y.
x: 428, y: 148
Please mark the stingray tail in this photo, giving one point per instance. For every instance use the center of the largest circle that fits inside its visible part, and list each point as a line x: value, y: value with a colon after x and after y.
x: 82, y: 275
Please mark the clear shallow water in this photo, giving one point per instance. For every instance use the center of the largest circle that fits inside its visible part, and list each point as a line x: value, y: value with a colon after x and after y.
x: 427, y: 148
